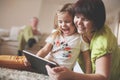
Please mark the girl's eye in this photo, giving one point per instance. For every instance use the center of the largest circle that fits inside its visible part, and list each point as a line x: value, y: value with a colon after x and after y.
x: 67, y: 21
x: 64, y: 21
x: 59, y: 21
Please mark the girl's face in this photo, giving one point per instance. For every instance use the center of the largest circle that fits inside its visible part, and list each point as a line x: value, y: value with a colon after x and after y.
x: 84, y: 25
x: 65, y: 23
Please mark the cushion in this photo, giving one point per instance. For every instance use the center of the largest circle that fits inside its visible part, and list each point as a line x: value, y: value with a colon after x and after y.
x: 14, y: 31
x: 4, y: 33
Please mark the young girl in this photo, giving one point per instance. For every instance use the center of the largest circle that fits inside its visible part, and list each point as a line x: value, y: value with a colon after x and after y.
x: 64, y: 45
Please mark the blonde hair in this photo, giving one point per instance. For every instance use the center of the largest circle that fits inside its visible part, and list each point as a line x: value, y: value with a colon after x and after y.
x: 56, y: 21
x: 66, y: 8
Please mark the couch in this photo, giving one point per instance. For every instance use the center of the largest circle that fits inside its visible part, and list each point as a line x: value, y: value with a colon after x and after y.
x: 9, y: 42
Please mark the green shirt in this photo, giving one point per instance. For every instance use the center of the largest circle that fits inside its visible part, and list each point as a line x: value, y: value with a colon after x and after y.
x: 24, y: 36
x: 104, y: 42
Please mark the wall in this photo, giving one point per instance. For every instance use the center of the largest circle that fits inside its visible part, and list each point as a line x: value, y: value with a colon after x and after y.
x: 48, y: 10
x: 18, y: 12
x: 113, y: 22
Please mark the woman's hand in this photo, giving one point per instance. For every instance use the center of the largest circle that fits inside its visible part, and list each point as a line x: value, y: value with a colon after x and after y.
x: 59, y: 73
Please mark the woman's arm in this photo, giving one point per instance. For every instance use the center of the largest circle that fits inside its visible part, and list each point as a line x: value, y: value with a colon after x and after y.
x: 45, y: 50
x: 102, y: 71
x: 103, y: 65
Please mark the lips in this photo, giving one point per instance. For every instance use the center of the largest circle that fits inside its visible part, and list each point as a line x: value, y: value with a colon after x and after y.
x: 65, y: 31
x: 80, y: 29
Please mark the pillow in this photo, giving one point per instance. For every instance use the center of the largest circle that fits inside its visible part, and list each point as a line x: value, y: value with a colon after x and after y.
x: 14, y: 33
x: 4, y: 33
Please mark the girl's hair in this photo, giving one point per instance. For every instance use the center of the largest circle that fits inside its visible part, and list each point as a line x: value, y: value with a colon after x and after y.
x: 66, y: 8
x: 93, y: 10
x: 55, y: 21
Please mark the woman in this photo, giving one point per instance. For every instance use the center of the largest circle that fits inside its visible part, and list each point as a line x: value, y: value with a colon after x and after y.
x: 89, y: 19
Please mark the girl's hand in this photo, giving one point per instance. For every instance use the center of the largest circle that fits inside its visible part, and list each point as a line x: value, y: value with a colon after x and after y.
x: 26, y: 63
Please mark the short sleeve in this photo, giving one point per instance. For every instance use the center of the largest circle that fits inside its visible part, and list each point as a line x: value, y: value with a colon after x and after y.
x: 99, y: 48
x: 101, y: 44
x: 49, y: 40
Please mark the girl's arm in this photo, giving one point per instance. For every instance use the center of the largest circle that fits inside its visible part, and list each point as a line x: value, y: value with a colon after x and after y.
x: 42, y: 53
x: 87, y: 61
x: 45, y: 50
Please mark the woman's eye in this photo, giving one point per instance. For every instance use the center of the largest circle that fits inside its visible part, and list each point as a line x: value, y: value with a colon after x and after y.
x: 77, y: 16
x: 86, y: 19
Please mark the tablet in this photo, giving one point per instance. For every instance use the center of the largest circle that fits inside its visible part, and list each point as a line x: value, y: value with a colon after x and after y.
x: 38, y: 63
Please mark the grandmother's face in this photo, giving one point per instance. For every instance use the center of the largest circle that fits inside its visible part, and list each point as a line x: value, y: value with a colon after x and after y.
x: 84, y: 25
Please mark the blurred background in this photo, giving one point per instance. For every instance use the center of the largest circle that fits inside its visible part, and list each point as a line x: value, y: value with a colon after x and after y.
x: 18, y: 12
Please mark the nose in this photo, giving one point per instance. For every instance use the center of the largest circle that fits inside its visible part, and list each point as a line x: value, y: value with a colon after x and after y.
x: 63, y: 24
x: 79, y: 21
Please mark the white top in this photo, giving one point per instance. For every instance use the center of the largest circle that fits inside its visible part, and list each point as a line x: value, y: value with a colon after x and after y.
x: 66, y: 49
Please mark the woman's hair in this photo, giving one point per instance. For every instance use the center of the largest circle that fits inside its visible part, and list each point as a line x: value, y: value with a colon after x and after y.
x: 93, y: 10
x: 66, y: 8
